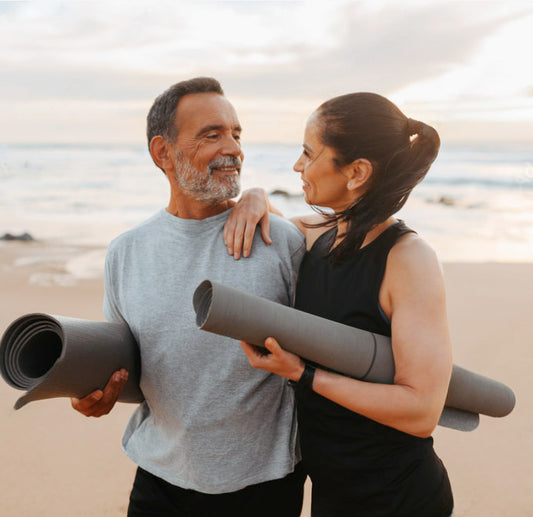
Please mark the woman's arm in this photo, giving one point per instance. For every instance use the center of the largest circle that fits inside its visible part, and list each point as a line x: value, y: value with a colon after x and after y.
x: 252, y: 209
x: 413, y: 297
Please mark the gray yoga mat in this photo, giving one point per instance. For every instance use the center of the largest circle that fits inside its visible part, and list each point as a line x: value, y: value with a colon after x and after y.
x: 360, y: 354
x: 57, y: 356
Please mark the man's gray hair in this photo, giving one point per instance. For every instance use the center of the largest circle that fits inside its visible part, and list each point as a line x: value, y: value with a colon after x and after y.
x: 160, y: 119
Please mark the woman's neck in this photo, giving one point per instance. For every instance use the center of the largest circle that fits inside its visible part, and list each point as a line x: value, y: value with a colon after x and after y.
x: 342, y: 226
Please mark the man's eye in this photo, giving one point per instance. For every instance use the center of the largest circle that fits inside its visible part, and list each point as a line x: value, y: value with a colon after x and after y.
x: 212, y: 136
x: 237, y: 137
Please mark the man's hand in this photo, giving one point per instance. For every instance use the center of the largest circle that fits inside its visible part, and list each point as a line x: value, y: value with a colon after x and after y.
x: 101, y: 402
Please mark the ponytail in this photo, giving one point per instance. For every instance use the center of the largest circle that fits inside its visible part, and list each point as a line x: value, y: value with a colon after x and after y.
x: 401, y: 150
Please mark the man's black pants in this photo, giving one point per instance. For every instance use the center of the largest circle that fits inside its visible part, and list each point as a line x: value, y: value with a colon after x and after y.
x: 152, y: 496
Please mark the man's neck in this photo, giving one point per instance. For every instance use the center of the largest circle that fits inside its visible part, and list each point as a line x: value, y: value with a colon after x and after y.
x: 193, y: 209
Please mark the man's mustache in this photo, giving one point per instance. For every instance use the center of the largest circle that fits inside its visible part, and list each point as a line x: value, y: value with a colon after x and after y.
x: 226, y: 161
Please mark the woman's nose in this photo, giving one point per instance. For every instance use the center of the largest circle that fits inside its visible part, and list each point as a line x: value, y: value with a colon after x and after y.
x: 297, y: 167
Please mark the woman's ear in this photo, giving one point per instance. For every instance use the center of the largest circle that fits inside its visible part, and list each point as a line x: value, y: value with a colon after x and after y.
x: 161, y: 152
x: 358, y: 173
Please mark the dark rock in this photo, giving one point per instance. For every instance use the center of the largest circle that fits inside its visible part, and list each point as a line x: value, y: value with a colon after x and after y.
x: 448, y: 201
x: 26, y: 237
x: 284, y: 193
x: 443, y: 200
x: 279, y: 192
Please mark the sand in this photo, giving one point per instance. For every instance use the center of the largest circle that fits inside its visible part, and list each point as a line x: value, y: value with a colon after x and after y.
x: 56, y: 462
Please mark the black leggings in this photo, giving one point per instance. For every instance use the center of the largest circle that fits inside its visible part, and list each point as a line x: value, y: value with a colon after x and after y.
x: 152, y: 496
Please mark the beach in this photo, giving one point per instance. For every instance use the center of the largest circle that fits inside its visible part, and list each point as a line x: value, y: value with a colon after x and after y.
x: 56, y: 462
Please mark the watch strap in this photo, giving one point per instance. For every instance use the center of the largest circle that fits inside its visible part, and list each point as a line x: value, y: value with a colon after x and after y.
x: 306, y: 379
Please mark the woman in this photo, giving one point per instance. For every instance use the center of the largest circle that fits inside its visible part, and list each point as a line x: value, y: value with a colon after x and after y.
x: 366, y: 446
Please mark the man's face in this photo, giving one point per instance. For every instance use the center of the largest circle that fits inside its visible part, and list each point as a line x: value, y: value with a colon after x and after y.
x: 208, y: 153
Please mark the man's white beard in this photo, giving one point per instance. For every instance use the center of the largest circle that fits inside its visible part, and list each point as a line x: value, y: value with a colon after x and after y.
x: 204, y: 186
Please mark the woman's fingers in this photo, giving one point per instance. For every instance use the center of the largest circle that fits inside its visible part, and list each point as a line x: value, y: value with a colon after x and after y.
x: 249, y: 212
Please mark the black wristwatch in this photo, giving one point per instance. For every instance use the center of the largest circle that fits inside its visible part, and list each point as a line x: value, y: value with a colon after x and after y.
x: 305, y: 383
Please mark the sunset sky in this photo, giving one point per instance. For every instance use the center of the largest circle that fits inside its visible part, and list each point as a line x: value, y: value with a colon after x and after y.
x: 88, y: 71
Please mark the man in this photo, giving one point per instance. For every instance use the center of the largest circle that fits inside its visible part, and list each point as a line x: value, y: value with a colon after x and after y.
x: 214, y: 436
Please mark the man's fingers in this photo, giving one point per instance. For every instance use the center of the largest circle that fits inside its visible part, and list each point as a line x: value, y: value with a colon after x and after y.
x: 85, y: 404
x: 101, y: 402
x: 117, y: 381
x: 114, y: 387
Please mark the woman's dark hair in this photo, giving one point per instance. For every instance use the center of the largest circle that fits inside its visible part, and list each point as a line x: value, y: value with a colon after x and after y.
x: 401, y: 150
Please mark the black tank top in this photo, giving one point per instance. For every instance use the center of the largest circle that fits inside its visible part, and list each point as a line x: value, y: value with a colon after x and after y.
x: 379, y: 470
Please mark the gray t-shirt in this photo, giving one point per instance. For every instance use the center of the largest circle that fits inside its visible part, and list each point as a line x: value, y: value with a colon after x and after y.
x: 210, y: 422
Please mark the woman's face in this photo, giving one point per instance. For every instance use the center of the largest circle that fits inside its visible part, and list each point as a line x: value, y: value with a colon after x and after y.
x: 324, y: 184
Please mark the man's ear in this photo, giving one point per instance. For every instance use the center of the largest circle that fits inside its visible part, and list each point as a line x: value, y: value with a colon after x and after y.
x: 358, y: 173
x: 161, y: 152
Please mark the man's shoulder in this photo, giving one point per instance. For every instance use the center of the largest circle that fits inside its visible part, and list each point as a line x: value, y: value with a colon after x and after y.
x: 287, y: 239
x: 138, y: 232
x: 282, y: 227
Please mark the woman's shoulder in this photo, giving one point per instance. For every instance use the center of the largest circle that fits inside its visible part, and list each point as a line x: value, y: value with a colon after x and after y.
x: 412, y: 258
x: 410, y: 246
x: 413, y: 272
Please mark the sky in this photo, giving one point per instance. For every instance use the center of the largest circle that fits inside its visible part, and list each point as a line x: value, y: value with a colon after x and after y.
x: 88, y: 71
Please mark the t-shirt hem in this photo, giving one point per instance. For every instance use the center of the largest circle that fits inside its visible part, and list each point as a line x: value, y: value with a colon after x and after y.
x: 211, y: 488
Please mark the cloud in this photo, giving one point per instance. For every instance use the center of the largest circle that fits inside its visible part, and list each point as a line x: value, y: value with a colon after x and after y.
x: 382, y: 50
x: 293, y: 49
x: 276, y: 59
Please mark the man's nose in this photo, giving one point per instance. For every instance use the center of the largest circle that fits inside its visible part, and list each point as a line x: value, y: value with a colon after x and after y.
x: 231, y: 147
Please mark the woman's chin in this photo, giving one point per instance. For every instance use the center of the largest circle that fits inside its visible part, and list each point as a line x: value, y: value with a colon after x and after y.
x: 308, y: 198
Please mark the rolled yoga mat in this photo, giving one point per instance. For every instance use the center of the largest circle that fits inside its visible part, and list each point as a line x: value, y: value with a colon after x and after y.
x: 57, y: 356
x: 360, y: 354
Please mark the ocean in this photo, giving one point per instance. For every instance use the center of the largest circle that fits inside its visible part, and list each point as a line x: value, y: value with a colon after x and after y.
x: 476, y: 203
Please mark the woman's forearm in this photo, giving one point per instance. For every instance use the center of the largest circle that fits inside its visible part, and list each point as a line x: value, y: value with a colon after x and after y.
x: 396, y: 405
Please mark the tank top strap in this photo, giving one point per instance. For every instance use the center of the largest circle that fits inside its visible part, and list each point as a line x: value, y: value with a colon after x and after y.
x: 385, y: 240
x: 376, y: 257
x: 324, y: 241
x: 388, y: 238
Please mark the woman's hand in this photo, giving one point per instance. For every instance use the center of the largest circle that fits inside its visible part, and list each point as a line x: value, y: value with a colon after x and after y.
x: 278, y: 361
x: 252, y: 209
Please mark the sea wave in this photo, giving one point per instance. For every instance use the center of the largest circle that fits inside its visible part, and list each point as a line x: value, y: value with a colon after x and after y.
x: 475, y: 203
